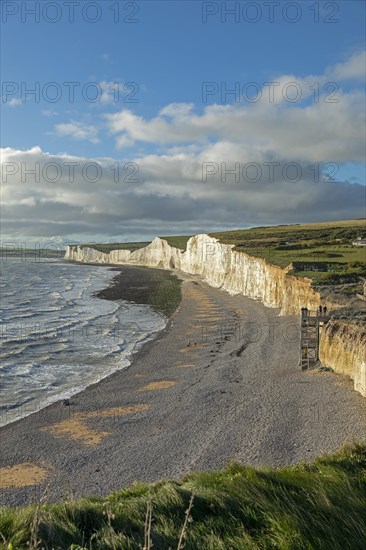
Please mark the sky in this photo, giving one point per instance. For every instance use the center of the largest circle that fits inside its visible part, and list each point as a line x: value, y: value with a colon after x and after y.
x: 122, y: 121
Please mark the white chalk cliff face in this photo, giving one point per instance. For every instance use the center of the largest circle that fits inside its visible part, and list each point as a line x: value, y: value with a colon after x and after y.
x: 220, y: 266
x: 237, y: 273
x: 343, y: 348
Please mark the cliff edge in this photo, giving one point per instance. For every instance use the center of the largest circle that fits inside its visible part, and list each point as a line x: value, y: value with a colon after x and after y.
x: 342, y: 345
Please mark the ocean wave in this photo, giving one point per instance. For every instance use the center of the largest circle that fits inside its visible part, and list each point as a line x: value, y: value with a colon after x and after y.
x: 63, y: 338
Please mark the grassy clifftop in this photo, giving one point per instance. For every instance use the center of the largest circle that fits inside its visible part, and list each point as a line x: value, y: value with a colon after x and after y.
x: 344, y: 229
x: 317, y: 506
x: 321, y: 251
x: 106, y: 248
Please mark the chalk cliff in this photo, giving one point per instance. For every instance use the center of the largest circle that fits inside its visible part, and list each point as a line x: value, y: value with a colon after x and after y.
x: 220, y: 266
x: 238, y: 273
x: 343, y: 348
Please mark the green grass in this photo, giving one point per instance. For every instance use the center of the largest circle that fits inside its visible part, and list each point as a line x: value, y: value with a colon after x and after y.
x: 321, y: 248
x: 106, y: 248
x: 331, y: 254
x: 178, y: 241
x: 323, y: 251
x: 346, y: 230
x: 321, y: 506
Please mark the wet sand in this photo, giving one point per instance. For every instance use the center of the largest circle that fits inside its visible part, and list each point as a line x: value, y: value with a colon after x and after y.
x: 220, y: 383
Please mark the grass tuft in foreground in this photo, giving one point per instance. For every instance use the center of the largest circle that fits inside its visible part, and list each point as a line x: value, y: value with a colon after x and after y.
x: 316, y: 506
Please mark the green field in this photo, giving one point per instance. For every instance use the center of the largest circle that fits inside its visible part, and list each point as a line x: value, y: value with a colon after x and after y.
x: 346, y: 230
x: 307, y: 253
x: 321, y: 506
x: 179, y: 241
x: 107, y: 248
x: 176, y: 241
x: 330, y: 264
x: 323, y: 251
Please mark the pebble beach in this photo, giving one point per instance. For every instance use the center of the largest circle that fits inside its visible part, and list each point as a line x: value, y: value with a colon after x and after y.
x: 220, y: 383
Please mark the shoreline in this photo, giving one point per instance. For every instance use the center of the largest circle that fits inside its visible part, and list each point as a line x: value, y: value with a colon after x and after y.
x: 115, y: 291
x: 211, y: 387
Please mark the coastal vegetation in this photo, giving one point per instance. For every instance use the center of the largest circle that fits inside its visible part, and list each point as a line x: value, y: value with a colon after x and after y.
x: 307, y: 506
x: 329, y: 254
x: 323, y: 251
x: 106, y: 248
x: 178, y: 241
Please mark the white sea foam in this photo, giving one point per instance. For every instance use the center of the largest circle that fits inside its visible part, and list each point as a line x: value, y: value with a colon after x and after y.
x: 57, y: 338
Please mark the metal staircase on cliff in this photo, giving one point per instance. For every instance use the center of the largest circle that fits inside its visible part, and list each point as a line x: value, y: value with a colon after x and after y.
x: 310, y: 325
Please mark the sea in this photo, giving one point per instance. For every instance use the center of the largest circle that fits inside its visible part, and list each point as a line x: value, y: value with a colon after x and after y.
x: 57, y: 337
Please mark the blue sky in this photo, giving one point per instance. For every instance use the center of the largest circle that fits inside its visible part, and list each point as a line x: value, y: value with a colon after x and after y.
x: 168, y: 54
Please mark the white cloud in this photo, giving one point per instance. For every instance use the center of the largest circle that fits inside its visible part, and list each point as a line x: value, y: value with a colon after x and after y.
x: 13, y: 102
x: 110, y: 92
x: 329, y: 126
x: 78, y: 131
x: 353, y: 68
x: 320, y: 132
x: 177, y: 110
x: 49, y: 113
x: 167, y: 192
